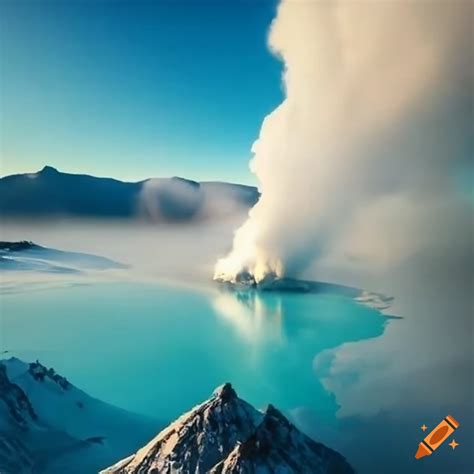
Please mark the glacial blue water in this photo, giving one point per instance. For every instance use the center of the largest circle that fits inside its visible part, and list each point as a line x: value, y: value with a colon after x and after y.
x: 159, y: 350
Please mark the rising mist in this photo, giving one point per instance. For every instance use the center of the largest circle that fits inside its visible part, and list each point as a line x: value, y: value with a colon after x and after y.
x: 362, y: 159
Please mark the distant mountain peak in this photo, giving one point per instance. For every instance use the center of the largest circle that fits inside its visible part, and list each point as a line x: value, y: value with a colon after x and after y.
x: 48, y: 170
x: 185, y: 180
x: 53, y: 194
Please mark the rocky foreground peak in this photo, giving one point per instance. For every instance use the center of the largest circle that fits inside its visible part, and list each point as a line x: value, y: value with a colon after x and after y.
x: 197, y: 440
x: 226, y: 435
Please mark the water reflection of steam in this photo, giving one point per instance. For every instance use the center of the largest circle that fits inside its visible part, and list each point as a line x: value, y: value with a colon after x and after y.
x: 254, y: 317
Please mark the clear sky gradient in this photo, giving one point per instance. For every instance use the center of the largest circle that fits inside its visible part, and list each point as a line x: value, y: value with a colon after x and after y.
x: 135, y: 89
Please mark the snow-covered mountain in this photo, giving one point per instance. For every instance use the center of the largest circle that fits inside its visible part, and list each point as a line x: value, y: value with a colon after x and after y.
x: 277, y: 446
x: 226, y: 435
x: 49, y: 426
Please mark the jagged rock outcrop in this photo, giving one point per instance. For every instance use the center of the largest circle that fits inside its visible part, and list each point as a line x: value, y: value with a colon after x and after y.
x: 226, y: 435
x: 197, y: 440
x: 278, y: 446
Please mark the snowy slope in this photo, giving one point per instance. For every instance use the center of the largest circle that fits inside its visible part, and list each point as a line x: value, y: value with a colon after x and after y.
x: 227, y: 435
x: 25, y: 255
x: 61, y: 428
x: 16, y: 416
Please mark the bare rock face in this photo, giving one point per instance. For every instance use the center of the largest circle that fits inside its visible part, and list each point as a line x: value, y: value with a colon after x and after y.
x: 226, y: 435
x: 278, y: 446
x: 197, y: 440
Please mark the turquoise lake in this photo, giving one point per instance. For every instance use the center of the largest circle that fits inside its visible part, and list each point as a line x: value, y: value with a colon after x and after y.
x: 159, y: 350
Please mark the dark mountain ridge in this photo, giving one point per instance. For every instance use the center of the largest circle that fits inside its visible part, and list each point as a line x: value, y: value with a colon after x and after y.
x: 50, y: 193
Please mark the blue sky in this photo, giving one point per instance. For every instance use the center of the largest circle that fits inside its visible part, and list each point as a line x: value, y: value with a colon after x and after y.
x: 136, y: 89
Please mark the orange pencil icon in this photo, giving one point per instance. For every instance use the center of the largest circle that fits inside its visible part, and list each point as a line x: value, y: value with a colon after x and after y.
x: 437, y: 437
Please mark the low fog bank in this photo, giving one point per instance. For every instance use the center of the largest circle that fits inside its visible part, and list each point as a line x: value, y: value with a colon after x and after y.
x: 422, y: 368
x: 180, y: 200
x: 180, y: 253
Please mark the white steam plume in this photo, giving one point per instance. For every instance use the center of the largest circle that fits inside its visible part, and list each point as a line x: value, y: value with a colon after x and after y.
x: 376, y: 122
